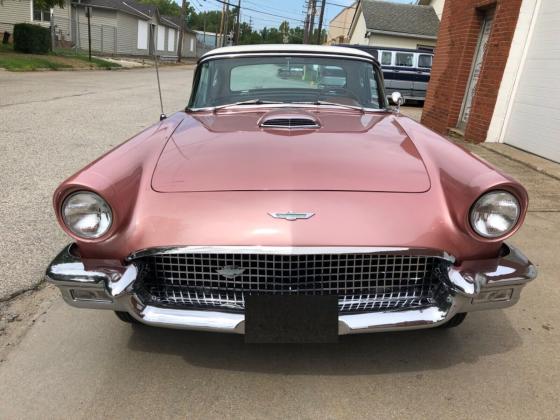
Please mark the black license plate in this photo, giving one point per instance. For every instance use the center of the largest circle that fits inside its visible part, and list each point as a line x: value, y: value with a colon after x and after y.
x: 291, y: 319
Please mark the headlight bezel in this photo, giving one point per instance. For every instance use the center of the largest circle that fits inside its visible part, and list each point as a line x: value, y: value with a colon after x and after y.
x: 76, y: 234
x: 514, y: 226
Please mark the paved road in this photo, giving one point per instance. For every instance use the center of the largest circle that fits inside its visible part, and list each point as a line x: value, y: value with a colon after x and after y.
x: 87, y: 364
x: 52, y: 124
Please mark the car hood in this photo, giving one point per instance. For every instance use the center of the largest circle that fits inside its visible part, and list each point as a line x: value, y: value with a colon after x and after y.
x: 350, y: 151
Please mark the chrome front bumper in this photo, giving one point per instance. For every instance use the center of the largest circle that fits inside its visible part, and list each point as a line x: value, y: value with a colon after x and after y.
x: 471, y: 286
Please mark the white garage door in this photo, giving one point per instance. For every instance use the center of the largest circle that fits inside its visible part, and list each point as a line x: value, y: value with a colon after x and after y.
x: 534, y: 124
x: 171, y: 39
x: 160, y: 38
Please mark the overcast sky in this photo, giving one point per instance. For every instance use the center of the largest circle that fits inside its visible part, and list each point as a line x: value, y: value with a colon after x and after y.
x: 273, y: 12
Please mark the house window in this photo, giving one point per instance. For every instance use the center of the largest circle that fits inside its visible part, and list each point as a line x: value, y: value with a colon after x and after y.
x: 192, y: 44
x: 386, y: 58
x: 425, y: 61
x: 41, y: 15
x: 404, y: 59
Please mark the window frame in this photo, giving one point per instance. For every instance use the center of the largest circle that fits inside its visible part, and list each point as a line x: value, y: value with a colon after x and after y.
x: 43, y: 13
x: 404, y: 53
x: 382, y: 97
x: 381, y: 52
x: 431, y: 60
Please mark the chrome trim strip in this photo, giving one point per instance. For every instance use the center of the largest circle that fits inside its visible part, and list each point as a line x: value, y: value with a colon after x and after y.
x: 388, y: 321
x: 471, y: 277
x: 68, y: 268
x: 119, y: 287
x: 288, y: 105
x: 287, y: 250
x: 286, y: 54
x: 290, y: 127
x: 194, y: 320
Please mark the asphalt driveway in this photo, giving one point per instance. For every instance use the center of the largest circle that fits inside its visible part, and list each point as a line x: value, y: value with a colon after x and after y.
x: 72, y: 363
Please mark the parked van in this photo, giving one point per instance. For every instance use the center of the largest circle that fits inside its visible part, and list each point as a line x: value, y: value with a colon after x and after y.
x: 405, y: 70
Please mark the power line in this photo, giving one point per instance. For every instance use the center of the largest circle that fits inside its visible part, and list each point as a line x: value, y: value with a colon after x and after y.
x: 270, y: 14
x: 265, y: 6
x: 341, y: 5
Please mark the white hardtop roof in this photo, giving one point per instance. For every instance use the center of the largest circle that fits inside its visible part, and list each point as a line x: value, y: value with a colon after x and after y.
x: 280, y: 48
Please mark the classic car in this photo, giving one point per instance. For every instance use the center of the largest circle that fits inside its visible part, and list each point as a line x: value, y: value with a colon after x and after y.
x: 273, y: 202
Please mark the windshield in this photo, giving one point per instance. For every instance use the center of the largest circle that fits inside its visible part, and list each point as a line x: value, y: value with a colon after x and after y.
x: 287, y: 79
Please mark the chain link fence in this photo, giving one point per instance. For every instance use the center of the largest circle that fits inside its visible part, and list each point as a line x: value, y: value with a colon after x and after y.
x: 75, y: 35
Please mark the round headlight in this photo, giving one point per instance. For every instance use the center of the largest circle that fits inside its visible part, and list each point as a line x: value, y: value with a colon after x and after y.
x: 86, y: 214
x: 495, y: 214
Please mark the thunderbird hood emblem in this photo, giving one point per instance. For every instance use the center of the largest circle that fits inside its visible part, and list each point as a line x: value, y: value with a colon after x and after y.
x: 230, y: 271
x: 292, y: 215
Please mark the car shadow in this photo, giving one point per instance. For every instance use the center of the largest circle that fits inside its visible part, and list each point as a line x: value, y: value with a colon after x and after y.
x: 482, y: 334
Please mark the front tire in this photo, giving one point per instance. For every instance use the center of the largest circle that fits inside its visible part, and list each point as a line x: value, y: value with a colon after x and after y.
x: 126, y: 317
x: 455, y: 321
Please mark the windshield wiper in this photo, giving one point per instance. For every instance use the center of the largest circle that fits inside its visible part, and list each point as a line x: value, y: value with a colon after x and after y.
x: 318, y: 102
x: 247, y: 102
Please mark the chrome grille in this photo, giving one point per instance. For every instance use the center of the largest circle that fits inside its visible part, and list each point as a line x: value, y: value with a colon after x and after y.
x: 290, y: 123
x: 362, y: 282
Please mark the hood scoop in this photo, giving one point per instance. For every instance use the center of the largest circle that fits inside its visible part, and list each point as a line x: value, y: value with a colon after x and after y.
x: 289, y: 122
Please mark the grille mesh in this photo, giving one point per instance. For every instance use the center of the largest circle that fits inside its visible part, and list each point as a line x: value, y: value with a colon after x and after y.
x: 289, y: 123
x: 362, y: 282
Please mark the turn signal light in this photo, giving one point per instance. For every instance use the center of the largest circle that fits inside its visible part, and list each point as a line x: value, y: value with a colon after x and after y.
x: 501, y: 295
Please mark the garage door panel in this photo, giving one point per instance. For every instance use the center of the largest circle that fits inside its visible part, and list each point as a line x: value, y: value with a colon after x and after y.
x: 541, y: 100
x: 534, y: 121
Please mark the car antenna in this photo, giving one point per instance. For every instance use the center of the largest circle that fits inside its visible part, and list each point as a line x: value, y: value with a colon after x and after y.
x: 162, y: 116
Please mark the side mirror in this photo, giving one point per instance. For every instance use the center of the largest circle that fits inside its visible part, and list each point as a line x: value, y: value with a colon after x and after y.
x: 397, y: 99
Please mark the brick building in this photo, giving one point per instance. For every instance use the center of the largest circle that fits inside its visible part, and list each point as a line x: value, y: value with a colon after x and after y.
x: 495, y: 73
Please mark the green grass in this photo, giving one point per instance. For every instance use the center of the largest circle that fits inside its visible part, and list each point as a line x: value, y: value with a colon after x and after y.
x: 23, y: 62
x: 60, y: 59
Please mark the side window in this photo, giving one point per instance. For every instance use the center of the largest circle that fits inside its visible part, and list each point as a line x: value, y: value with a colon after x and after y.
x: 386, y: 58
x: 425, y: 61
x: 203, y: 85
x: 404, y: 59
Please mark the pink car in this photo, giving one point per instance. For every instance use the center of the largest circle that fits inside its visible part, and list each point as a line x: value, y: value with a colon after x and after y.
x: 285, y: 207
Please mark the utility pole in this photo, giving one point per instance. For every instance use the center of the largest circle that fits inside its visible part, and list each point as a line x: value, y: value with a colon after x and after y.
x: 221, y: 41
x: 306, y: 23
x: 181, y: 30
x: 88, y: 14
x: 226, y: 26
x: 312, y: 19
x: 319, y: 35
x: 237, y: 24
x: 204, y: 29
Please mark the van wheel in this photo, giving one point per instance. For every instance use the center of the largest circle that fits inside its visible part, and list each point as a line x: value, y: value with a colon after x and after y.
x: 455, y: 321
x: 126, y: 317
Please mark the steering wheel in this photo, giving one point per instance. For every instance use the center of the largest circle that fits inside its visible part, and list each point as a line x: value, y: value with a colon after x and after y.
x: 341, y: 91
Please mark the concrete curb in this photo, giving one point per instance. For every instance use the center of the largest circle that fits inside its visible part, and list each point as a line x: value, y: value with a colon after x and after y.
x: 544, y: 166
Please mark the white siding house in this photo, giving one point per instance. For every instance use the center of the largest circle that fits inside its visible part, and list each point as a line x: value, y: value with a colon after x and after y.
x: 393, y: 25
x: 122, y: 27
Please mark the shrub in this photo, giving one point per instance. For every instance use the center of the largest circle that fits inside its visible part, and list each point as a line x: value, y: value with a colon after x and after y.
x: 31, y: 39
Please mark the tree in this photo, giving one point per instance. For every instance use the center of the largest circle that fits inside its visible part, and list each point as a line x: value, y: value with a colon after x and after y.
x: 47, y: 4
x: 165, y: 7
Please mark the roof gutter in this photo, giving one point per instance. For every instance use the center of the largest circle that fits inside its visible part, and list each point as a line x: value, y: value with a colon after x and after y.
x: 403, y: 34
x: 136, y: 10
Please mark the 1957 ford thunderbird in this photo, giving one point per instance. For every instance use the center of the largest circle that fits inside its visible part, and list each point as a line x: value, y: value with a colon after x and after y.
x: 289, y: 196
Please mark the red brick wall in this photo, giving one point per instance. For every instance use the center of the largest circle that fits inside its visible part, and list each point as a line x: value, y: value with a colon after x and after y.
x: 455, y: 50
